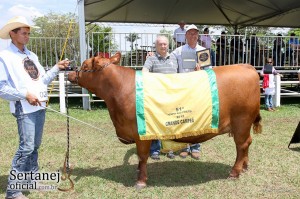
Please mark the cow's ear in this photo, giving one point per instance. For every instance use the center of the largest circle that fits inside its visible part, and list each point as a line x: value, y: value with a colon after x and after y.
x: 93, y: 61
x: 99, y: 54
x: 116, y: 58
x: 87, y: 64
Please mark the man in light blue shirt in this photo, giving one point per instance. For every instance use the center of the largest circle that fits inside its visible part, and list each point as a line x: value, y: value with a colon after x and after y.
x: 192, y: 46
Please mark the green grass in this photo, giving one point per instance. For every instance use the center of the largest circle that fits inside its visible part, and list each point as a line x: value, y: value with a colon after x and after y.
x: 106, y: 168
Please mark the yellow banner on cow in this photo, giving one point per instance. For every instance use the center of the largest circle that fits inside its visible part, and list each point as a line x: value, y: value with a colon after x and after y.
x: 171, y: 106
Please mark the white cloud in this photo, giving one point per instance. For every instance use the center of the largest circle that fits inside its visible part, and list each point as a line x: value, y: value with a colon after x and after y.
x: 28, y: 12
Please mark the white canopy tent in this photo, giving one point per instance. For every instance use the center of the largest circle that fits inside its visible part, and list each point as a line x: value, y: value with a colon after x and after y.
x: 236, y: 13
x: 275, y: 13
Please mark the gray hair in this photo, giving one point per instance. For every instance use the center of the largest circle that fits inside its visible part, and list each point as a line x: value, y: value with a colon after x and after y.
x: 161, y: 37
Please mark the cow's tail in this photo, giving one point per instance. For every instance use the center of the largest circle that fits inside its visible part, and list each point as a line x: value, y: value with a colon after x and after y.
x: 257, y: 127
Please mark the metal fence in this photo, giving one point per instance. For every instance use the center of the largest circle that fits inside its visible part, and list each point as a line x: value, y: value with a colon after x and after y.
x: 51, y: 50
x: 225, y: 49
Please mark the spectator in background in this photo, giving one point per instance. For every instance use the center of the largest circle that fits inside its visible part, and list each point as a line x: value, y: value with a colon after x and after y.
x: 236, y: 45
x: 278, y: 51
x: 179, y: 34
x: 268, y: 72
x: 160, y: 62
x: 254, y: 49
x: 221, y: 49
x: 206, y: 42
x: 291, y: 46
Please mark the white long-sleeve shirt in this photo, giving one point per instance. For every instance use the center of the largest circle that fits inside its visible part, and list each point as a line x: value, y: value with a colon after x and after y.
x: 16, y: 79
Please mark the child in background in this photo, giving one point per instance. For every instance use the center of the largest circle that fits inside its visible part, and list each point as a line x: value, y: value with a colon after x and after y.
x: 268, y: 73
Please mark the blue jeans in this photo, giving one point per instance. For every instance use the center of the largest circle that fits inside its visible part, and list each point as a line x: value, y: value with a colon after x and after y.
x: 269, y: 101
x: 30, y: 129
x: 193, y: 148
x: 155, y: 147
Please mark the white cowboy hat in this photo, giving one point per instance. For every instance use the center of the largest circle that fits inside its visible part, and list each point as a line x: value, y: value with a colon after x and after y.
x: 16, y: 22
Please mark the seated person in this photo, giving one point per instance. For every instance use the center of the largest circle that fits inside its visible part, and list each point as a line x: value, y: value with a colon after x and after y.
x: 236, y: 45
x: 221, y: 49
x: 278, y: 45
x: 290, y: 55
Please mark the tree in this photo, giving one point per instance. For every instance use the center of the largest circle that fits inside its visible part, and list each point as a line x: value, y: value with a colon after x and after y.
x: 132, y: 37
x: 48, y: 41
x: 294, y: 30
x: 100, y: 38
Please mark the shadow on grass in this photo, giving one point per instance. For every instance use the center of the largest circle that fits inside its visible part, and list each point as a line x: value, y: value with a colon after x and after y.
x: 297, y: 149
x: 160, y: 173
x: 3, y: 183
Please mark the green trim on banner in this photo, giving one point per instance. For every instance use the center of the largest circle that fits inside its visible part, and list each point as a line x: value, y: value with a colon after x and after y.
x: 139, y: 103
x: 215, y: 98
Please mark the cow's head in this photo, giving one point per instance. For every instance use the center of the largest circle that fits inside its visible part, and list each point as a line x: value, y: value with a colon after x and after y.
x: 91, y: 69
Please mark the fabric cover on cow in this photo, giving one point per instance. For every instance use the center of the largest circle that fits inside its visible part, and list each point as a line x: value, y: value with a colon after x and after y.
x: 172, y: 106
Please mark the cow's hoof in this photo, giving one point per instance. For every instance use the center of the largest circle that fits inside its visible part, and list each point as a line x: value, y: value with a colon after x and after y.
x: 233, y: 175
x: 245, y: 167
x: 245, y: 170
x: 232, y: 178
x: 140, y: 185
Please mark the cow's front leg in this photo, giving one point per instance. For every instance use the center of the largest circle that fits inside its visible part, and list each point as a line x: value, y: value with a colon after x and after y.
x: 143, y: 151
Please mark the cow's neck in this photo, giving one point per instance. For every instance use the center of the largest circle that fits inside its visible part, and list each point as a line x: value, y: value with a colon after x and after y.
x: 116, y: 83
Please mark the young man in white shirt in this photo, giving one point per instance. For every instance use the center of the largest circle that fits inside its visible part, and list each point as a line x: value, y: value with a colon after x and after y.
x: 23, y: 82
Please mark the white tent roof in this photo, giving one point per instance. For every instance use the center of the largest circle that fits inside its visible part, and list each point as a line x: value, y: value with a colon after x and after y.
x: 274, y: 13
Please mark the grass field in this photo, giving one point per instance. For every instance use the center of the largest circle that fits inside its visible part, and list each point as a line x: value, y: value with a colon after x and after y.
x: 106, y: 168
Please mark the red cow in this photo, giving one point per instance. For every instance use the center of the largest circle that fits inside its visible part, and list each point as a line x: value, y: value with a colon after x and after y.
x: 239, y: 100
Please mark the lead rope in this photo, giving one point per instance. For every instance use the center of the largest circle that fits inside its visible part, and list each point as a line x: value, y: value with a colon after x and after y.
x: 61, y: 55
x: 66, y: 168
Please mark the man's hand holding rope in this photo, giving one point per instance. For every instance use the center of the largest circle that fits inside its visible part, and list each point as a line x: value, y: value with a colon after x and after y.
x: 63, y: 64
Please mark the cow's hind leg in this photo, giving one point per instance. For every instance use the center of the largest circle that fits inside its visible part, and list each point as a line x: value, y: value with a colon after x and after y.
x: 243, y: 140
x: 143, y: 150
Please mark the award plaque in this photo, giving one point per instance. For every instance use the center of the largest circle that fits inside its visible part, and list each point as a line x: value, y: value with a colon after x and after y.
x: 203, y: 58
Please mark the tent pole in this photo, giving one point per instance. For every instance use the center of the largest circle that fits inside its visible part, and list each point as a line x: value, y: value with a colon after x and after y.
x: 83, y: 47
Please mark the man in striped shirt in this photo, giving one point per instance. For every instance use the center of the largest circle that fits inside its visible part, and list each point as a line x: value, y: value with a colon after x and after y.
x: 160, y: 62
